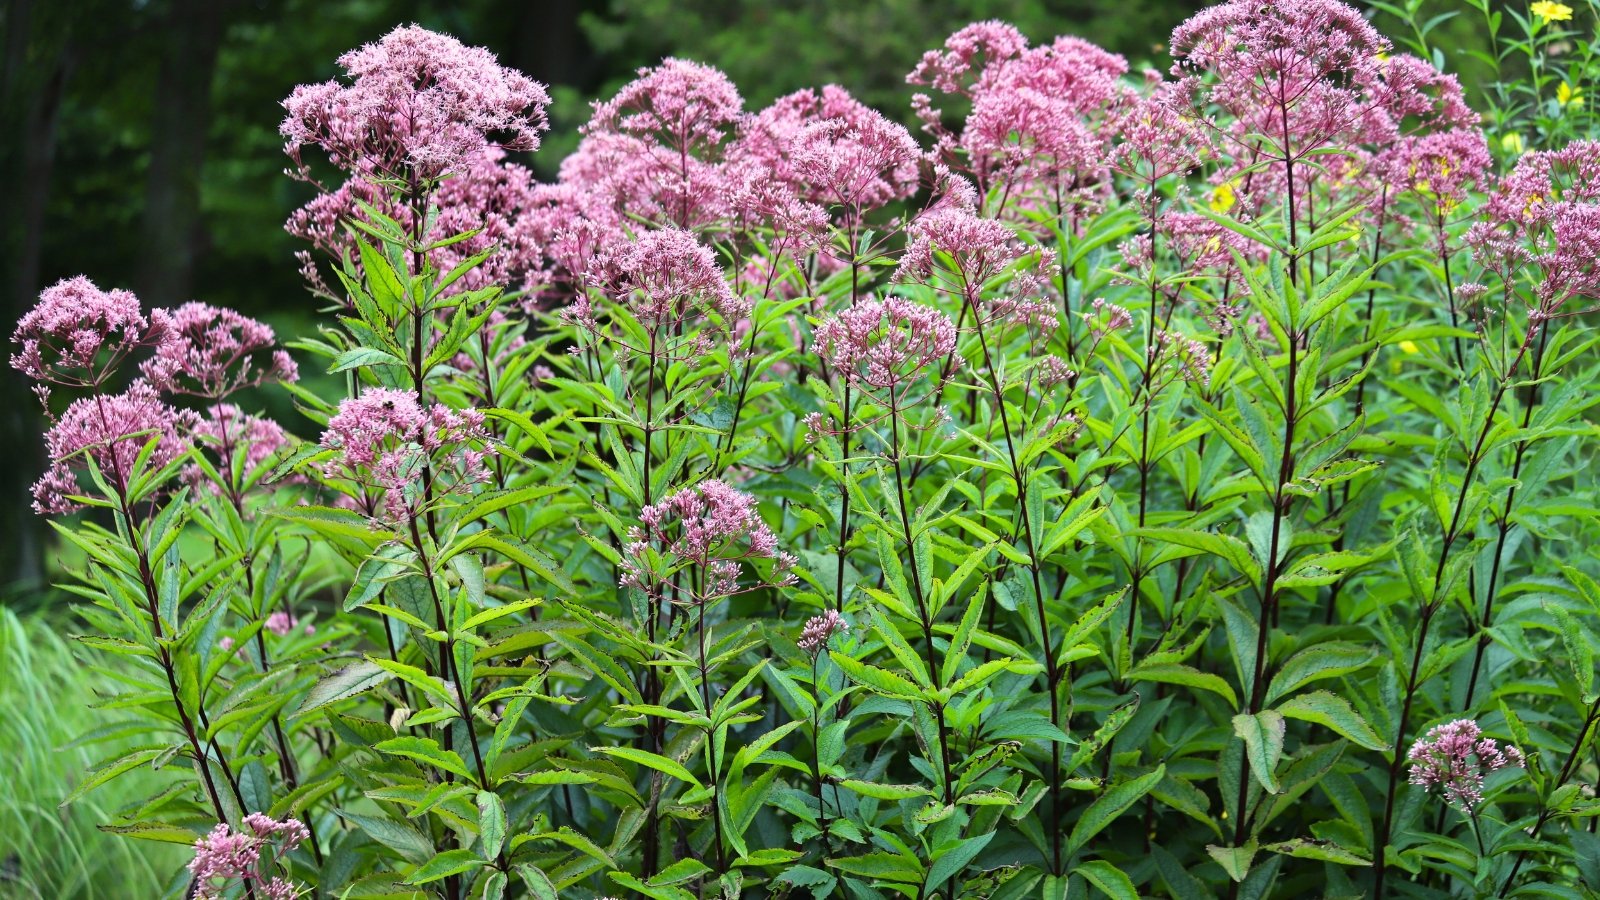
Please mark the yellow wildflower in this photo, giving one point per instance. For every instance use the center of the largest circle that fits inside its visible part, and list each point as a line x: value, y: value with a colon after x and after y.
x: 1223, y: 198
x: 1551, y: 12
x: 1408, y: 346
x: 1511, y: 143
x: 1567, y: 95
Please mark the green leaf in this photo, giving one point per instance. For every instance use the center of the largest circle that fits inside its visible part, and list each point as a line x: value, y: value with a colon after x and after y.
x: 1333, y: 711
x: 1263, y: 740
x: 111, y: 769
x: 952, y: 862
x: 1329, y: 660
x: 425, y: 750
x: 885, y: 866
x: 1104, y: 810
x: 1327, y: 851
x: 1177, y: 673
x: 1109, y: 879
x: 400, y: 837
x: 538, y: 884
x: 1234, y: 860
x: 349, y: 681
x: 491, y: 823
x: 358, y: 357
x: 152, y: 831
x: 886, y: 791
x: 665, y: 766
x: 1230, y: 549
x: 450, y: 862
x: 875, y: 679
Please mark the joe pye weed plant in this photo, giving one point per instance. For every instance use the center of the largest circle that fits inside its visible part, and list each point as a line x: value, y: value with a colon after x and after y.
x: 1170, y: 484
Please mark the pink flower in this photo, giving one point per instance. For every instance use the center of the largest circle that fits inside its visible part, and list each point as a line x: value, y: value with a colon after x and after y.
x: 235, y: 856
x: 669, y: 282
x: 112, y: 430
x: 1456, y: 757
x: 979, y: 247
x: 385, y: 440
x: 250, y: 441
x: 212, y: 352
x: 417, y: 105
x: 655, y: 149
x: 819, y: 629
x: 77, y: 334
x: 710, y: 526
x: 487, y: 196
x: 884, y: 344
x: 281, y: 623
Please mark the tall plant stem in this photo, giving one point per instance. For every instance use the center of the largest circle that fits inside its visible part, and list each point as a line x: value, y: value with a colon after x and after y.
x: 1545, y: 812
x: 816, y: 750
x: 1452, y: 533
x: 448, y: 651
x: 1052, y: 675
x: 923, y: 612
x: 1503, y: 528
x: 1280, y: 506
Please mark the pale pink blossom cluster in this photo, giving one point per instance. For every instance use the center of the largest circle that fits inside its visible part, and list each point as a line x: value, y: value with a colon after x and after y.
x: 252, y: 440
x: 711, y: 526
x: 235, y: 857
x: 884, y: 344
x: 212, y: 352
x: 112, y: 430
x: 387, y: 441
x: 1542, y: 220
x: 1456, y: 757
x: 417, y: 105
x: 819, y: 629
x: 1037, y: 114
x: 77, y: 334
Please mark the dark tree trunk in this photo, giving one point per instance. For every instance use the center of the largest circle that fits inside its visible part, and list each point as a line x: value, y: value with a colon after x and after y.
x: 173, y: 234
x: 35, y: 105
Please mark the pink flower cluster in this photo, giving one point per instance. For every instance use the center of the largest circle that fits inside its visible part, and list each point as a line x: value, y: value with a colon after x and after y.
x: 1544, y: 216
x: 710, y: 526
x: 112, y: 430
x: 418, y: 105
x: 1455, y: 757
x: 232, y: 856
x: 385, y: 440
x: 884, y: 344
x: 252, y: 441
x: 211, y: 352
x: 1037, y: 114
x: 819, y: 629
x: 77, y: 334
x: 665, y: 277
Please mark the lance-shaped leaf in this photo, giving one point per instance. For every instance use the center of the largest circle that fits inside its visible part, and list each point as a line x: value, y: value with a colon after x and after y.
x: 1263, y: 743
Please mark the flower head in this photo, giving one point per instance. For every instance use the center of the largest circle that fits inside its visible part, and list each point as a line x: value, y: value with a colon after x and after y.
x: 710, y: 526
x: 666, y: 279
x: 819, y: 629
x: 385, y: 439
x: 232, y: 856
x: 1456, y: 757
x: 77, y: 334
x: 884, y: 344
x: 416, y: 104
x: 112, y: 430
x: 212, y: 352
x: 1548, y: 11
x: 244, y: 443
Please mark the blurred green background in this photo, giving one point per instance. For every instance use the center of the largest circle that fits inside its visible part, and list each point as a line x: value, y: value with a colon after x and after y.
x: 140, y: 141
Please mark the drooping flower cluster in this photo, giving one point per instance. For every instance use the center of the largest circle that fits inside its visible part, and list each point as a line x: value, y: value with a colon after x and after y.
x: 819, y: 629
x: 77, y: 334
x: 111, y: 430
x: 225, y: 858
x: 711, y: 527
x: 211, y: 352
x: 385, y: 440
x: 1456, y: 757
x: 418, y: 105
